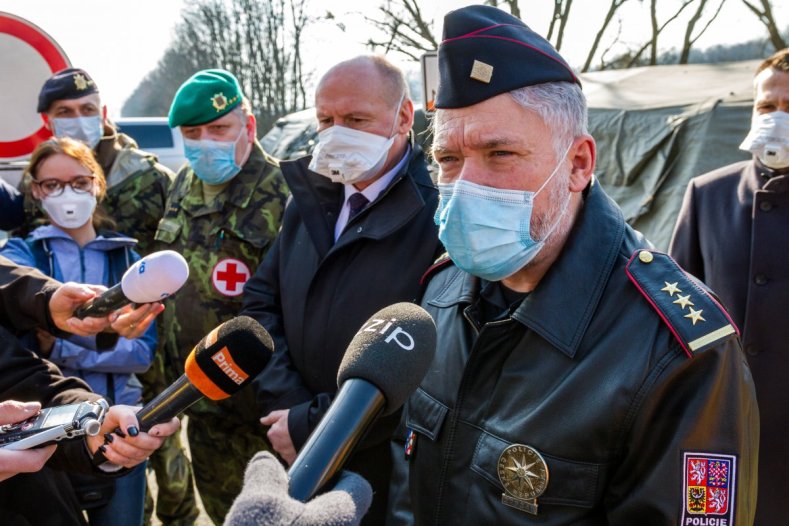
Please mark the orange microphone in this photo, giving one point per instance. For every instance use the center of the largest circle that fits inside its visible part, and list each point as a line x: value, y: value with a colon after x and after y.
x: 226, y: 359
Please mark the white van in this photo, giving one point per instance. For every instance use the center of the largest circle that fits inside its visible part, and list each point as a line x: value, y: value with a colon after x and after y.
x: 153, y: 135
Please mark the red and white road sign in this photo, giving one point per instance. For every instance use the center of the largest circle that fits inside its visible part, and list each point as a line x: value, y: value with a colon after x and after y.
x: 229, y: 276
x: 28, y: 57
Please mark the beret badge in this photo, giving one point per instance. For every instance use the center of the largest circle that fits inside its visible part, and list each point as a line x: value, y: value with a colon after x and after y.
x: 80, y: 82
x: 219, y: 101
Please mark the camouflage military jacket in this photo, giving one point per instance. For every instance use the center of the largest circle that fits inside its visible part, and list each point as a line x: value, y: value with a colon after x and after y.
x: 137, y: 189
x: 223, y: 242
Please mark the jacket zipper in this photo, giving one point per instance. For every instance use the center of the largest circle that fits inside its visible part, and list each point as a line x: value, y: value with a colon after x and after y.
x: 454, y: 415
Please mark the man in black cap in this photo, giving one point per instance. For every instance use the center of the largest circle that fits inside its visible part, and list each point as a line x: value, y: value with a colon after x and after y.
x: 580, y: 376
x: 137, y: 184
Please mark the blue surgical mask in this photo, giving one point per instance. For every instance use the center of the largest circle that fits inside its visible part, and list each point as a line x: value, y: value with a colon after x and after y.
x: 86, y: 129
x: 487, y: 231
x: 214, y: 162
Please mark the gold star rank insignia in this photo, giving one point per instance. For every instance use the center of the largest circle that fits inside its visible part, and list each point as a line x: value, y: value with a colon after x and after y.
x: 80, y: 82
x: 671, y: 288
x: 695, y: 315
x: 683, y: 301
x: 219, y: 101
x: 481, y: 72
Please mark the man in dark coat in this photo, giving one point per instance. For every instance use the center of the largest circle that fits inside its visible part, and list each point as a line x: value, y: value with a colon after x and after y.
x: 579, y: 377
x: 336, y: 260
x: 732, y: 234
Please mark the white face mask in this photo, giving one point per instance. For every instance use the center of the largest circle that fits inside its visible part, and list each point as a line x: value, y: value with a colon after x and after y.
x: 70, y: 209
x: 768, y: 139
x: 86, y: 129
x: 350, y: 156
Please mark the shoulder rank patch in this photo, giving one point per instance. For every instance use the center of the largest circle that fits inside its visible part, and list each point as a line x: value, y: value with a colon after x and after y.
x: 695, y: 318
x: 442, y: 261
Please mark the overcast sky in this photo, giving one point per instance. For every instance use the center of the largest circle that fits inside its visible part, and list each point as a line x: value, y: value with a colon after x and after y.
x: 119, y: 42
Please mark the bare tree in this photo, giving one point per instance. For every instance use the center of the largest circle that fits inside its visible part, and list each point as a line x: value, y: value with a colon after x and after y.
x: 259, y: 41
x: 513, y: 6
x: 653, y: 41
x: 561, y: 13
x: 612, y: 9
x: 405, y: 29
x: 765, y: 16
x: 689, y: 39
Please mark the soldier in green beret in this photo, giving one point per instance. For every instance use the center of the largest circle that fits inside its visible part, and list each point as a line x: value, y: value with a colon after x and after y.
x: 223, y: 213
x: 137, y: 187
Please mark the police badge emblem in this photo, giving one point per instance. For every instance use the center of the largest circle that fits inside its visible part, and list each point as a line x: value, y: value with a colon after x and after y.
x: 219, y: 101
x: 524, y: 474
x: 80, y: 82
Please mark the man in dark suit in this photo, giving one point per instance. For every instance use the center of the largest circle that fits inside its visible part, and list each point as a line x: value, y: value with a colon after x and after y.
x: 732, y: 234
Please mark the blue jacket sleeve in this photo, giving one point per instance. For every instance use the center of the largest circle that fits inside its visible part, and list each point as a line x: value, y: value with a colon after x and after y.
x: 19, y: 252
x: 127, y: 356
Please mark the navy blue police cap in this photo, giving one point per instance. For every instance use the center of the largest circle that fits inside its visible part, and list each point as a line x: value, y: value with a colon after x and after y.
x: 71, y: 83
x: 486, y: 51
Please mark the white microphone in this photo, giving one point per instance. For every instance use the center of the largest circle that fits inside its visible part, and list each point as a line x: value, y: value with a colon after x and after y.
x: 152, y: 278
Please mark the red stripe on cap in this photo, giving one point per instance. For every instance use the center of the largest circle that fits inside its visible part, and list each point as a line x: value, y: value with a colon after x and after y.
x: 474, y: 34
x: 481, y: 30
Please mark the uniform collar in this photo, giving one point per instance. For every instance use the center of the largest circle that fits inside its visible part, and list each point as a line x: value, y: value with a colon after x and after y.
x: 563, y: 304
x: 238, y: 192
x: 758, y: 177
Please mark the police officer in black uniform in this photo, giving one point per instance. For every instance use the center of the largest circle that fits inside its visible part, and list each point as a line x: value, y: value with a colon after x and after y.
x: 580, y: 376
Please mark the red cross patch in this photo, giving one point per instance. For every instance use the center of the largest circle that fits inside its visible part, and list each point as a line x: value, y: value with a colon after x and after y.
x: 229, y: 276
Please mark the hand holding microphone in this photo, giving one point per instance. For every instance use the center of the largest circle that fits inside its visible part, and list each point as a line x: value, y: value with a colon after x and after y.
x: 383, y: 365
x: 221, y: 364
x: 149, y: 280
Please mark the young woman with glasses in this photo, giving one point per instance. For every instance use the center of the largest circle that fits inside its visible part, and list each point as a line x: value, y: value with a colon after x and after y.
x: 68, y: 183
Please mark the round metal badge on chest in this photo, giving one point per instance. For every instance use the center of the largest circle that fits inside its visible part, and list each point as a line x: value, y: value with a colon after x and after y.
x: 524, y: 474
x: 229, y: 276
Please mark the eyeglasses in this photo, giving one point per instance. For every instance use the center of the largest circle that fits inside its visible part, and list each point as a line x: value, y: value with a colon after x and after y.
x: 82, y: 184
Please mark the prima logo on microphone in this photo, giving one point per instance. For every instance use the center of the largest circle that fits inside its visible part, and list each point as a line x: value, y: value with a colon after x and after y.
x: 397, y: 335
x: 225, y: 362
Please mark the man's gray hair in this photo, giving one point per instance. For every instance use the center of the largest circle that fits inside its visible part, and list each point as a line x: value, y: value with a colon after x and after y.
x: 561, y: 105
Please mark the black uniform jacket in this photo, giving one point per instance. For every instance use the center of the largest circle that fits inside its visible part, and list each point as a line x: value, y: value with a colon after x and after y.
x: 586, y: 373
x: 313, y: 294
x: 45, y: 497
x: 732, y: 233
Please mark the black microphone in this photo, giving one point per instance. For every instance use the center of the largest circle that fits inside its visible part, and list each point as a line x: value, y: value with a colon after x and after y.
x: 150, y: 279
x: 221, y: 364
x: 383, y: 365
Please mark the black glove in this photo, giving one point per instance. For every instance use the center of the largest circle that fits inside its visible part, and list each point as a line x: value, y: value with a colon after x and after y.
x: 264, y: 499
